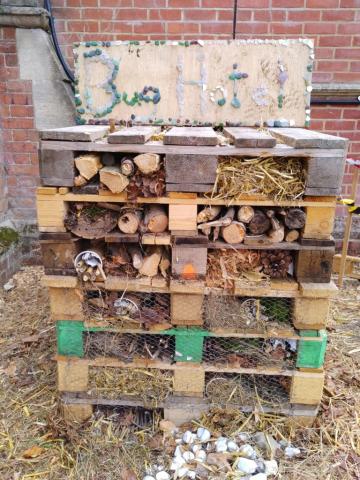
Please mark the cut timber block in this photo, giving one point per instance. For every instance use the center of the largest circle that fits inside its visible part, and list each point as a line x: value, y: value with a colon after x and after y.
x: 66, y: 303
x: 189, y: 381
x: 314, y: 265
x: 188, y: 262
x: 302, y: 138
x: 137, y: 134
x: 72, y: 375
x: 311, y: 313
x: 60, y: 281
x: 191, y: 169
x: 58, y: 255
x: 181, y: 286
x: 76, y: 412
x: 249, y: 137
x: 319, y: 222
x: 307, y: 388
x: 318, y: 290
x: 324, y: 175
x: 349, y: 265
x: 191, y: 136
x: 57, y: 168
x: 186, y: 309
x: 181, y: 410
x: 51, y: 211
x: 189, y: 187
x: 78, y: 133
x: 183, y: 217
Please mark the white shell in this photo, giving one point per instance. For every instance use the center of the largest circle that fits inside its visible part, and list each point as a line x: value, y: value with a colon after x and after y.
x: 203, y: 434
x: 177, y: 463
x: 188, y: 437
x: 243, y: 437
x: 232, y: 446
x: 196, y: 447
x: 292, y: 451
x: 182, y: 471
x: 178, y: 452
x: 148, y: 477
x: 271, y: 467
x: 188, y: 456
x: 191, y: 474
x: 245, y: 465
x: 259, y: 476
x: 200, y: 455
x: 221, y: 445
x: 247, y: 451
x: 162, y: 476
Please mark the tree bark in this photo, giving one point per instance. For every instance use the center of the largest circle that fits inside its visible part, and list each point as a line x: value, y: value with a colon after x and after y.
x: 127, y: 166
x: 260, y: 223
x: 277, y: 232
x: 136, y: 256
x: 295, y: 218
x: 292, y: 235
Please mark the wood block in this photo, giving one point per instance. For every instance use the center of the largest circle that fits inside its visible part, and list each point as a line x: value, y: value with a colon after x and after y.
x: 186, y: 309
x: 51, y: 211
x: 59, y: 255
x: 319, y: 222
x: 249, y: 137
x: 314, y: 265
x: 307, y: 388
x: 189, y: 381
x: 181, y: 286
x: 72, y: 375
x: 302, y: 138
x: 57, y: 167
x: 188, y: 263
x: 349, y: 265
x: 318, y: 290
x: 190, y: 169
x: 324, y: 175
x: 182, y: 217
x: 181, y: 410
x: 191, y: 136
x: 297, y: 421
x: 136, y: 134
x: 46, y: 191
x: 315, y: 242
x: 182, y: 195
x: 189, y: 187
x: 118, y: 237
x: 311, y: 313
x: 76, y: 412
x: 156, y: 239
x: 66, y: 304
x: 78, y: 133
x: 59, y: 281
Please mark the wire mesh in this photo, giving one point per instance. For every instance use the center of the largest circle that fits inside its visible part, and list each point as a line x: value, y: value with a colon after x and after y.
x: 134, y: 309
x: 249, y: 352
x: 247, y: 389
x: 247, y: 313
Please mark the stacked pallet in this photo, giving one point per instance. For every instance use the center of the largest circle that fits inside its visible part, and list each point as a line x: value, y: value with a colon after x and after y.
x: 168, y: 295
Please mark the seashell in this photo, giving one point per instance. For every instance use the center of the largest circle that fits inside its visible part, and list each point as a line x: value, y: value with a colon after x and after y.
x: 232, y: 446
x: 178, y: 452
x: 247, y: 451
x: 271, y: 467
x: 200, y: 455
x: 148, y: 477
x: 245, y: 465
x: 292, y: 452
x: 182, y: 472
x: 203, y: 434
x: 221, y: 445
x: 191, y: 474
x: 177, y: 463
x: 259, y: 476
x: 162, y: 475
x: 188, y: 456
x: 195, y: 448
x: 188, y: 437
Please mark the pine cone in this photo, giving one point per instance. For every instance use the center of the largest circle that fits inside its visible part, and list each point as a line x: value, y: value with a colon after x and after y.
x: 276, y: 263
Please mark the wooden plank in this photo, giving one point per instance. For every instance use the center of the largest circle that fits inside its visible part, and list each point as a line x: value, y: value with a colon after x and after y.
x: 179, y: 415
x: 311, y: 313
x: 314, y: 265
x: 47, y: 190
x: 278, y: 288
x: 117, y: 237
x: 60, y: 254
x: 78, y: 133
x: 51, y: 211
x: 142, y: 284
x: 316, y: 243
x: 181, y: 286
x: 249, y: 137
x: 66, y: 304
x: 193, y: 136
x: 156, y: 239
x: 182, y: 195
x: 182, y: 217
x: 318, y: 290
x: 189, y: 187
x: 57, y: 168
x: 136, y: 134
x: 349, y: 264
x: 59, y: 281
x: 186, y: 309
x: 319, y: 222
x: 324, y: 175
x: 72, y: 375
x: 188, y: 262
x: 301, y: 138
x: 307, y: 388
x: 190, y: 169
x: 189, y: 381
x: 193, y: 240
x: 64, y: 190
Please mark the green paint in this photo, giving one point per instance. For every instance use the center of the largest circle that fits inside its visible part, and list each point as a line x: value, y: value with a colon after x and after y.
x: 280, y: 100
x: 8, y: 237
x: 311, y: 354
x: 70, y: 338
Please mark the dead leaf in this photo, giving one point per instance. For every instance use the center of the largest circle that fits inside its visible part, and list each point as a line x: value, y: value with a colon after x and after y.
x: 156, y: 442
x: 33, y: 452
x: 127, y: 474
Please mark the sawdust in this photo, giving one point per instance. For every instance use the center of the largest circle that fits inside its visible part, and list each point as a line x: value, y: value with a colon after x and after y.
x: 100, y: 449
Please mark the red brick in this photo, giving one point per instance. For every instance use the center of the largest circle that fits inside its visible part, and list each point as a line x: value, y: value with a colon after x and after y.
x: 150, y: 27
x: 347, y: 77
x: 286, y: 28
x: 288, y: 3
x: 317, y: 125
x: 89, y: 3
x: 333, y: 66
x: 349, y: 3
x: 18, y: 123
x: 355, y: 147
x: 96, y: 13
x: 349, y: 28
x: 20, y: 159
x: 244, y: 15
x: 262, y: 15
x: 338, y: 15
x: 200, y: 15
x: 116, y: 27
x: 339, y: 125
x: 321, y: 53
x: 21, y: 147
x: 304, y: 15
x: 69, y: 13
x: 320, y: 28
x: 335, y: 41
x: 355, y: 67
x: 11, y: 60
x: 131, y: 14
x: 21, y: 111
x: 117, y: 3
x: 321, y: 77
x: 356, y: 41
x: 73, y: 3
x: 322, y: 3
x: 181, y: 28
x: 352, y: 113
x: 78, y: 26
x: 350, y: 53
x: 183, y: 3
x: 253, y: 3
x: 252, y: 28
x: 326, y: 113
x: 228, y: 15
x: 165, y: 14
x: 217, y: 3
x: 23, y: 170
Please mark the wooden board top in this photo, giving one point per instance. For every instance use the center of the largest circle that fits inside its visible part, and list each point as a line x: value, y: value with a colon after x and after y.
x: 301, y: 138
x: 249, y: 137
x: 136, y: 134
x: 78, y: 133
x: 194, y: 136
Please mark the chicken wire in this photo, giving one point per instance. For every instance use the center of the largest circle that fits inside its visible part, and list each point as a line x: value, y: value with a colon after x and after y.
x: 247, y: 313
x: 127, y: 308
x: 247, y: 389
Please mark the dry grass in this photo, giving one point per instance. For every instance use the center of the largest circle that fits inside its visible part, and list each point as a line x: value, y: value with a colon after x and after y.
x: 100, y: 449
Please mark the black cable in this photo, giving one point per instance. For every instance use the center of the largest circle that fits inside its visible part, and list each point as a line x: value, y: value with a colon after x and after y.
x: 69, y: 73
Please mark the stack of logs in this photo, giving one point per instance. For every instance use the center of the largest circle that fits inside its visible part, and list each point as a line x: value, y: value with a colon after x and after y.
x: 263, y: 225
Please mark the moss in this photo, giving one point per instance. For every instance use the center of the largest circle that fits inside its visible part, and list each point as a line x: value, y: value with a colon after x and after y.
x: 8, y: 236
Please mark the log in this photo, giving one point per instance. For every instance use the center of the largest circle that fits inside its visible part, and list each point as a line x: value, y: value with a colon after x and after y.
x: 260, y: 223
x: 127, y: 166
x: 148, y: 162
x: 208, y: 213
x: 150, y: 265
x: 245, y: 214
x: 111, y: 206
x: 85, y: 224
x: 108, y: 159
x: 129, y: 222
x: 295, y: 218
x: 165, y: 263
x: 156, y: 219
x: 136, y: 256
x: 277, y: 232
x: 223, y: 221
x: 234, y: 233
x: 79, y: 181
x: 112, y: 178
x: 292, y: 235
x: 88, y: 165
x: 216, y: 233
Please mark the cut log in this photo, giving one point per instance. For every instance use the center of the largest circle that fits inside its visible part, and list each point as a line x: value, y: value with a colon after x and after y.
x: 110, y: 206
x: 216, y: 233
x: 79, y: 181
x: 127, y: 166
x: 129, y: 222
x: 295, y: 218
x: 88, y: 165
x: 156, y: 219
x: 245, y: 214
x: 147, y: 162
x: 260, y: 223
x: 165, y: 263
x: 90, y: 222
x: 223, y: 221
x: 208, y: 213
x: 112, y: 178
x: 136, y: 256
x: 292, y: 235
x: 150, y: 264
x: 234, y: 233
x: 277, y: 232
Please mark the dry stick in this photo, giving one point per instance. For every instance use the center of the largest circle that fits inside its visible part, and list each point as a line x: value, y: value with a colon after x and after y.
x: 148, y: 162
x: 208, y: 213
x: 295, y: 218
x: 88, y: 165
x: 112, y: 178
x: 150, y: 265
x: 110, y: 206
x: 222, y: 221
x: 277, y: 232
